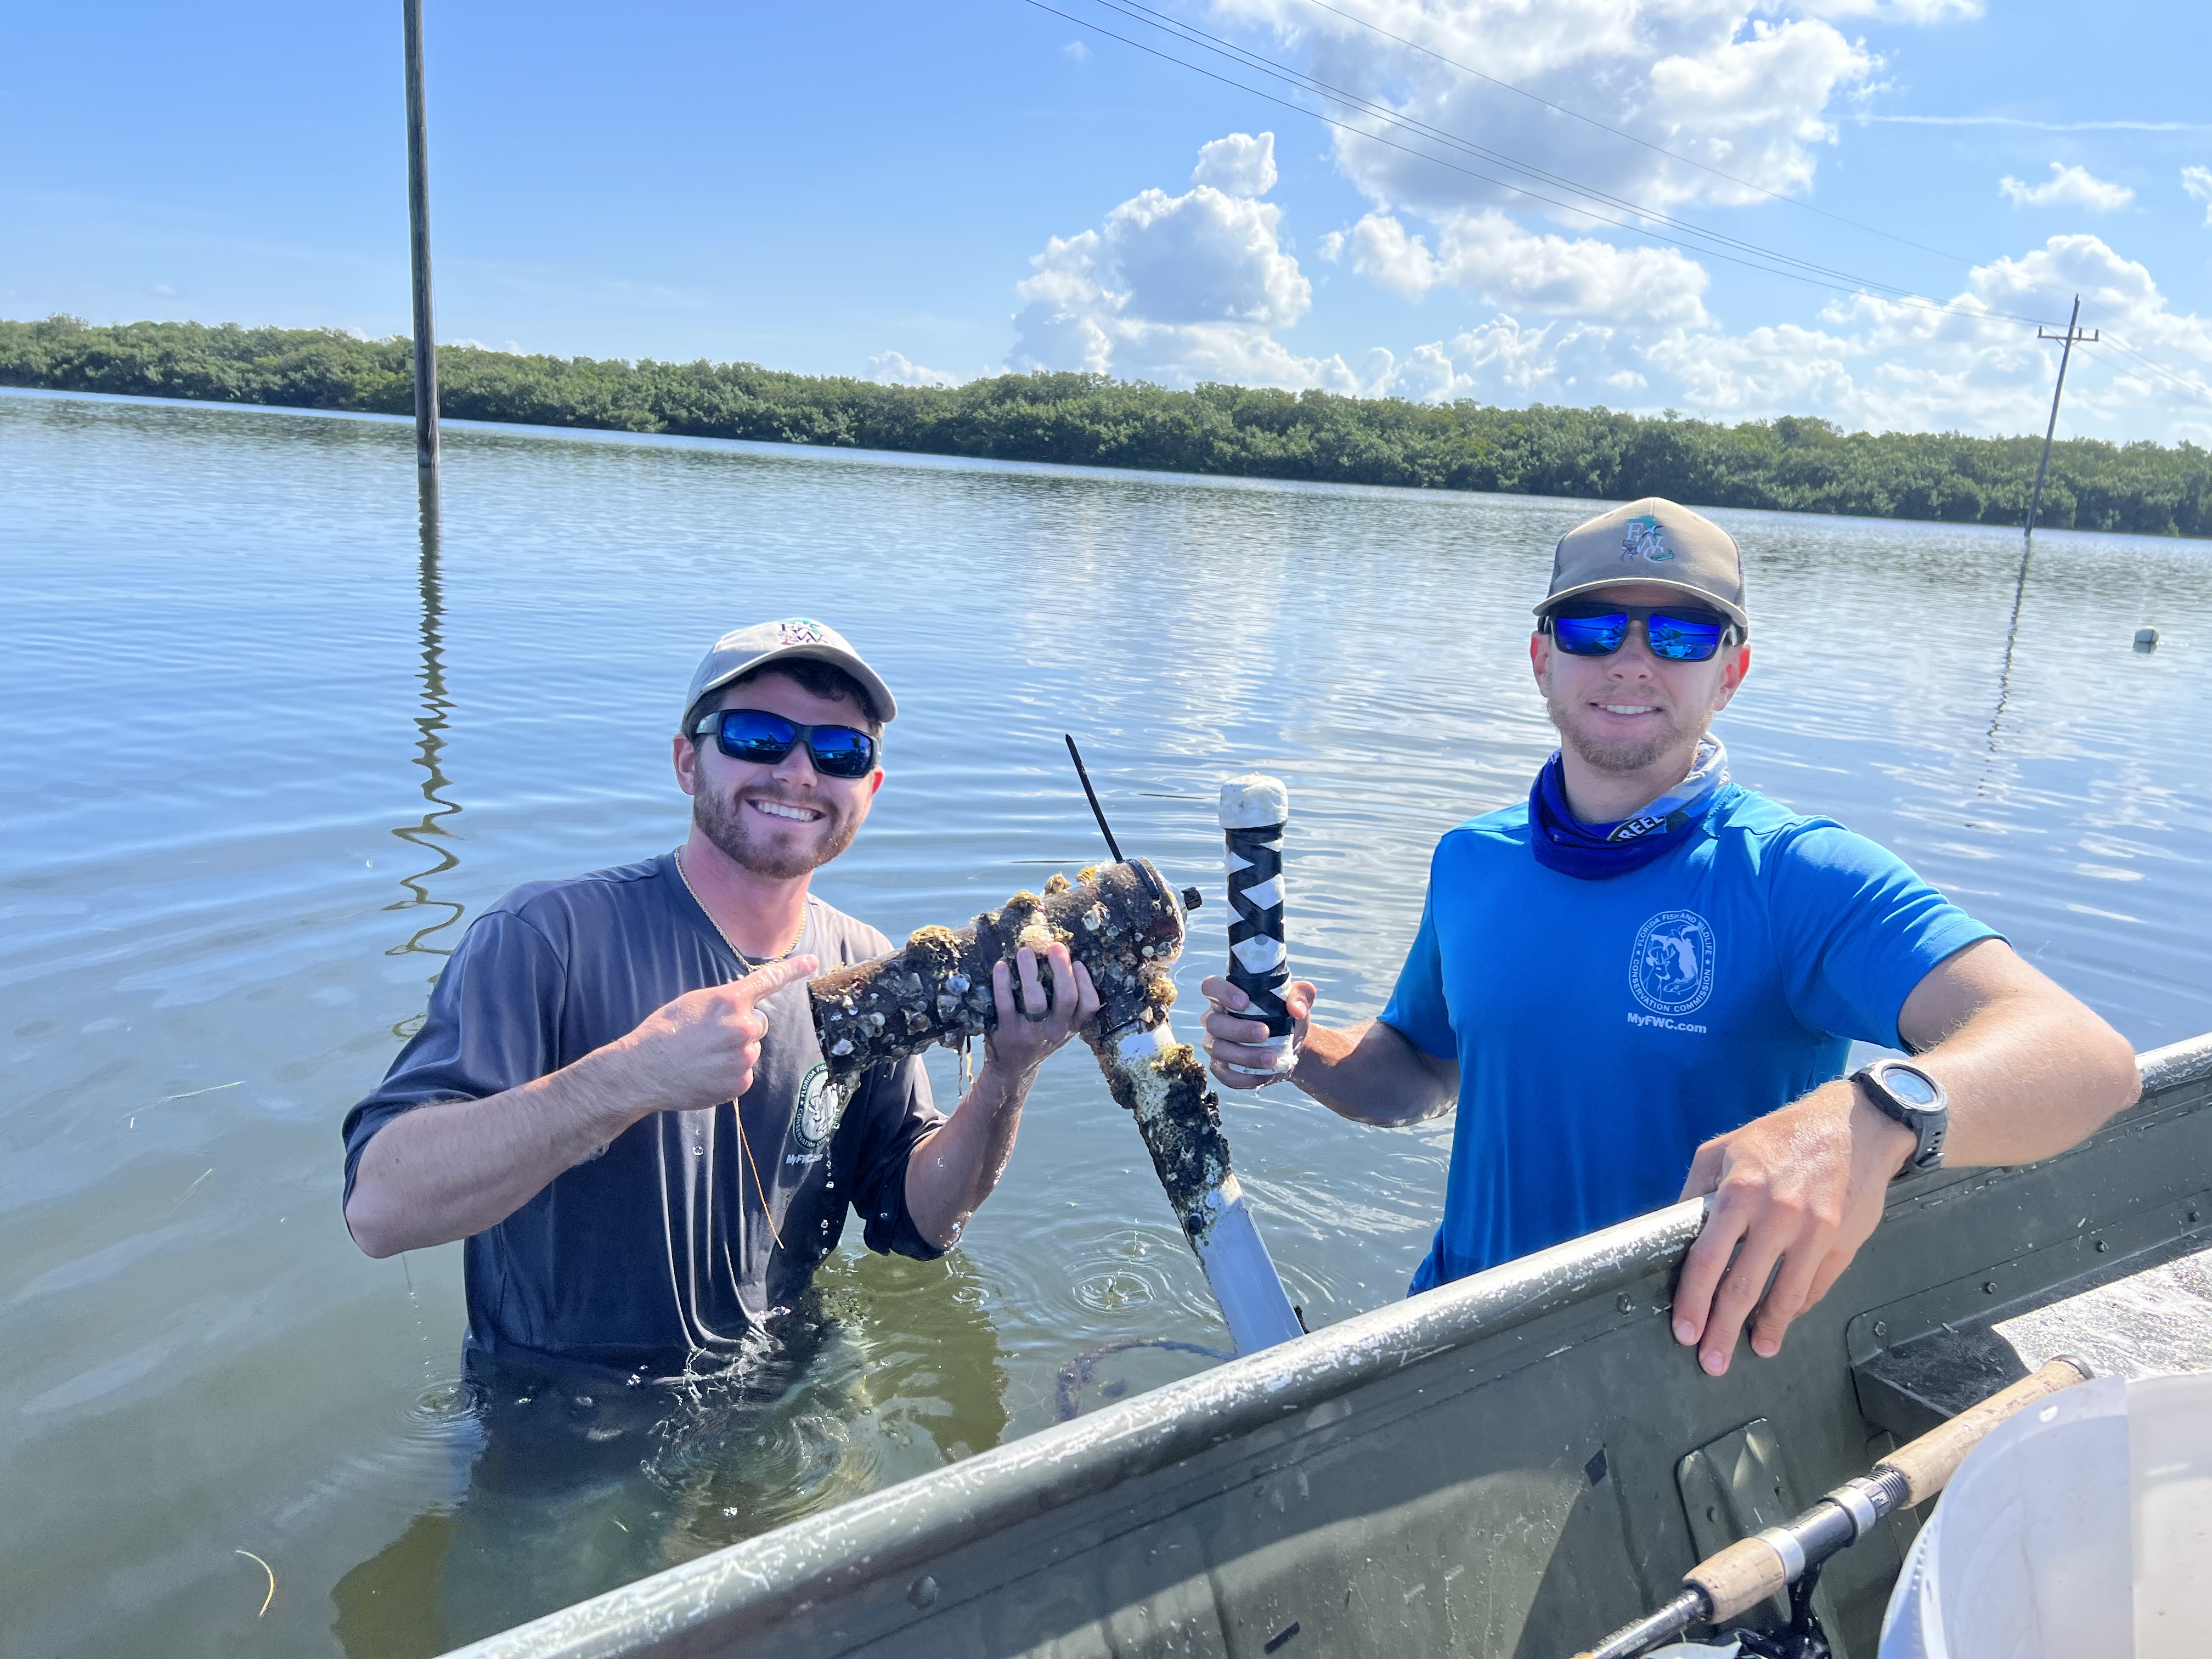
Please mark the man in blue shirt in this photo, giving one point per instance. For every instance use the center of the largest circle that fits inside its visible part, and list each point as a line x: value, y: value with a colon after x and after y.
x: 1647, y: 970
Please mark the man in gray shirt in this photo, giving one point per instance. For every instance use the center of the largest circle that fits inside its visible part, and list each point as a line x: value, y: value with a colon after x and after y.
x: 566, y: 1108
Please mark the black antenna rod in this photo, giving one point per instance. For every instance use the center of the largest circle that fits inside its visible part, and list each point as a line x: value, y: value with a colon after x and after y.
x: 1097, y: 811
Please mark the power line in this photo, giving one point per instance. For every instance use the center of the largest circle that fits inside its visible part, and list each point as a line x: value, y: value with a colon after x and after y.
x: 2196, y: 388
x: 1899, y: 296
x: 1618, y: 132
x: 1305, y: 80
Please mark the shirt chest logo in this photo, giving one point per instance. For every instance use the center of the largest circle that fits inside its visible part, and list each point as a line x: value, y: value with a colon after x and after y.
x: 821, y: 1104
x: 1670, y: 968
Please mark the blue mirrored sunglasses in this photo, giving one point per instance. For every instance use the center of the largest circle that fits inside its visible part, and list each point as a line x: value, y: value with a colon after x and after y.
x: 1674, y: 634
x: 756, y: 735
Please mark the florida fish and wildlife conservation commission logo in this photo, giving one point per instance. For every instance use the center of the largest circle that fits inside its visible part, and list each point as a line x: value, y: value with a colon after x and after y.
x: 1642, y: 537
x: 1671, y: 968
x: 821, y: 1104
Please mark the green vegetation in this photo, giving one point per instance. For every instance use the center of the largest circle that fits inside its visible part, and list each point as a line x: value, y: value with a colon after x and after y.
x: 1795, y: 463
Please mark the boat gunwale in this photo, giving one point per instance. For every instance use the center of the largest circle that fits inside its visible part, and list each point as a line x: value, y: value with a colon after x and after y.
x: 761, y: 1580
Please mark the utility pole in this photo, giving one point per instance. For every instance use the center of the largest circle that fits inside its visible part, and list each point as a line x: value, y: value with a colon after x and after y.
x: 418, y: 236
x: 2073, y: 333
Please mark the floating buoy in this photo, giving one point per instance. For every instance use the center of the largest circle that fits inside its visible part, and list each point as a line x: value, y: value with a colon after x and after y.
x: 2146, y: 639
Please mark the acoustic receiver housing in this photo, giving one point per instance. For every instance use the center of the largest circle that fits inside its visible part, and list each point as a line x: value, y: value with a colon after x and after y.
x: 1255, y: 809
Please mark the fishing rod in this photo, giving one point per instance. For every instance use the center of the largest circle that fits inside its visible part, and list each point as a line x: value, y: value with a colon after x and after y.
x: 1791, y: 1556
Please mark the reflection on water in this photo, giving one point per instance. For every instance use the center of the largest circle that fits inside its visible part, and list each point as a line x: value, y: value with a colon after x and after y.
x: 244, y: 648
x: 2012, y: 639
x: 430, y: 836
x: 571, y: 1480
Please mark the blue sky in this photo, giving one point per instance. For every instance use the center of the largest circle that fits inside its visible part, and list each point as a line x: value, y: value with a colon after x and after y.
x: 942, y: 191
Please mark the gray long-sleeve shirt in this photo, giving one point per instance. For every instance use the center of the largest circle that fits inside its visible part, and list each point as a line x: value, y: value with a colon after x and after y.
x: 661, y: 1247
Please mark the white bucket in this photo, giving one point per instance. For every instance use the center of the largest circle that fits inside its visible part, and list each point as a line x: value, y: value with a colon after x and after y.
x: 2079, y: 1529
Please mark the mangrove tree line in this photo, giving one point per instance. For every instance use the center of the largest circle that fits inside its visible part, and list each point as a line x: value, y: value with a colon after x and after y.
x: 1795, y: 463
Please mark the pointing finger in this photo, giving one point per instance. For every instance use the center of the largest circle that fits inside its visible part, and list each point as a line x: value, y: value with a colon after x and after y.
x: 766, y: 981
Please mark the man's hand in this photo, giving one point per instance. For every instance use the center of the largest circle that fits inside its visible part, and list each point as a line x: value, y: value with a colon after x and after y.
x: 1794, y: 1194
x: 2029, y: 1070
x: 1023, y: 1040
x: 954, y: 1167
x: 699, y: 1049
x: 1234, y: 1042
x: 454, y: 1168
x: 1370, y: 1073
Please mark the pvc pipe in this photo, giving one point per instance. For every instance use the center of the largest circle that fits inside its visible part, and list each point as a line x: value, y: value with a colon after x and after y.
x: 1163, y: 1085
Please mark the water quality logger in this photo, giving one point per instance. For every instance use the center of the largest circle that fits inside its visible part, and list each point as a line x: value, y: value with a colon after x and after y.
x: 1126, y: 927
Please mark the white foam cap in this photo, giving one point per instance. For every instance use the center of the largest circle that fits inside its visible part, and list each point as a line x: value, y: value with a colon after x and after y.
x: 1253, y: 801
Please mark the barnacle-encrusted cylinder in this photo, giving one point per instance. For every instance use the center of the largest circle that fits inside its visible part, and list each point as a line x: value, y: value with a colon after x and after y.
x: 1163, y: 1085
x: 1122, y: 921
x: 1125, y: 925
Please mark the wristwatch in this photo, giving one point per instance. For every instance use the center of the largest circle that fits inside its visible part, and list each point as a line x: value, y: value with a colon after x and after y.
x: 1902, y: 1091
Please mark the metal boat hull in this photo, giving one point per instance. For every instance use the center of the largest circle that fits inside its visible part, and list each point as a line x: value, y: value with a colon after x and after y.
x: 1512, y: 1465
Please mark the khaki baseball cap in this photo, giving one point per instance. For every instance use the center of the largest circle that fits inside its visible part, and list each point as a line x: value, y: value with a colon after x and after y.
x: 738, y: 652
x: 1654, y: 541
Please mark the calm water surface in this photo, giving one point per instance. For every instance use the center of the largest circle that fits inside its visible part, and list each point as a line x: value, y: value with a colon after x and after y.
x: 266, y: 749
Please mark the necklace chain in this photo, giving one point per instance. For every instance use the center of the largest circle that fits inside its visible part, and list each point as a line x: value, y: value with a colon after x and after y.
x: 749, y: 964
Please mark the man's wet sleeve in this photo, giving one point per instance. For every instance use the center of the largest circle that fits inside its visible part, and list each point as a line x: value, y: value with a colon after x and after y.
x: 895, y: 1112
x: 492, y: 1026
x: 1417, y: 1008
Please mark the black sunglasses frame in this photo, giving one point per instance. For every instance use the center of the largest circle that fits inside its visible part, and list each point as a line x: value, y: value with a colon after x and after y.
x: 716, y: 727
x: 1597, y: 609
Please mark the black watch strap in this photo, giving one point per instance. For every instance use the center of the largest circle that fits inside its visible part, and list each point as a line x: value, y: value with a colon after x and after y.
x: 1902, y: 1091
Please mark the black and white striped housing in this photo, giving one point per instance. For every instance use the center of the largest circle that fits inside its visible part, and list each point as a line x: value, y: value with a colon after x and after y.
x: 1253, y: 810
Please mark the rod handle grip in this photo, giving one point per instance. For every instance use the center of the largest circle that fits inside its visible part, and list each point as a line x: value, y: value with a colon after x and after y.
x: 1742, y: 1576
x: 1928, y: 1462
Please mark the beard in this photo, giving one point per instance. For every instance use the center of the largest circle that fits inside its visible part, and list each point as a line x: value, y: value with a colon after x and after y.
x: 1624, y: 755
x: 784, y: 856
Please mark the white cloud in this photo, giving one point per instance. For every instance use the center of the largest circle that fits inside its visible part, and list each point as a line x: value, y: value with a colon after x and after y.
x: 2197, y: 182
x: 2068, y: 187
x: 1199, y: 286
x: 1239, y: 165
x: 1487, y: 254
x: 1075, y: 51
x: 894, y: 368
x: 1900, y: 11
x: 1732, y: 84
x: 1506, y: 361
x: 1883, y: 364
x: 1178, y: 288
x: 1866, y: 363
x: 1206, y: 257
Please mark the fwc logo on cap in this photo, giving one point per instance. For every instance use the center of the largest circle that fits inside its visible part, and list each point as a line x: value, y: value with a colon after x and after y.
x: 1642, y: 538
x: 801, y: 630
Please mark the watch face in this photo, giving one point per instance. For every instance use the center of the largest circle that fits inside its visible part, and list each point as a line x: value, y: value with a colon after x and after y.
x: 1908, y: 1085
